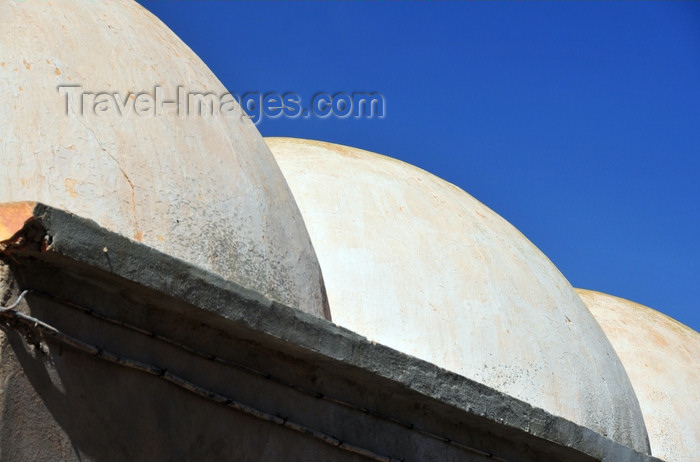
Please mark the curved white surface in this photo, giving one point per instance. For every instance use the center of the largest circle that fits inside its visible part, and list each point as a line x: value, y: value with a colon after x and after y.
x: 662, y: 359
x: 417, y: 264
x: 204, y: 189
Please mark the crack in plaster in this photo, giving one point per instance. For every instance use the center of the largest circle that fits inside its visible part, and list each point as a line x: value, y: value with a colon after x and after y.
x: 116, y: 161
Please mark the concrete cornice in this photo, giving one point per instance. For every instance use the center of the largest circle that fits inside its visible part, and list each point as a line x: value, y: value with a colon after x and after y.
x: 75, y: 245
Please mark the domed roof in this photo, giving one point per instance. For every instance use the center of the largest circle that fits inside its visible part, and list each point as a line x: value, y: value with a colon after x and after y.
x: 417, y: 264
x: 202, y: 188
x: 662, y: 359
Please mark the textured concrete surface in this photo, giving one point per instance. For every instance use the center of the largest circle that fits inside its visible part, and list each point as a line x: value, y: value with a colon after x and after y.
x: 201, y: 188
x: 61, y: 404
x: 662, y: 359
x: 415, y: 263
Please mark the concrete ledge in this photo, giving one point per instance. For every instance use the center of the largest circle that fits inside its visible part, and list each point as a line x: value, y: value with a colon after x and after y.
x: 72, y: 258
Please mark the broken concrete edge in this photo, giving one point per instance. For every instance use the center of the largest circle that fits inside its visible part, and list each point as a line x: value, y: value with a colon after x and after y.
x: 46, y: 233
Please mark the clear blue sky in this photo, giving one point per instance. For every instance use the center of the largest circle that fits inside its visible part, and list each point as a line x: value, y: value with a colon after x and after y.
x: 577, y: 122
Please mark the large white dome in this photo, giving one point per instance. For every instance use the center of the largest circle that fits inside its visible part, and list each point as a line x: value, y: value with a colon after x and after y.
x: 203, y: 189
x: 662, y: 359
x: 415, y: 263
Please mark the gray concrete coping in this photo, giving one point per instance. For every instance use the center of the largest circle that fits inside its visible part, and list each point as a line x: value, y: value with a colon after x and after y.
x: 68, y: 241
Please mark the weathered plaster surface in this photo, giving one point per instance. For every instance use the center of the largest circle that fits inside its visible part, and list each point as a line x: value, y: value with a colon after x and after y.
x: 415, y: 263
x: 201, y: 188
x: 662, y: 359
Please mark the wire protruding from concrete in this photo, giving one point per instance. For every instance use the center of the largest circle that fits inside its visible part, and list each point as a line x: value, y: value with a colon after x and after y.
x: 16, y: 303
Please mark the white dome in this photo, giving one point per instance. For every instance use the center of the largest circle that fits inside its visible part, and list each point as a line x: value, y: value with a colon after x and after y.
x: 203, y: 189
x: 662, y: 359
x: 415, y: 263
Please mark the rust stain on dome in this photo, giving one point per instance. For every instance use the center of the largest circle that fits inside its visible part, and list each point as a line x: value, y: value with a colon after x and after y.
x: 70, y: 187
x: 13, y: 216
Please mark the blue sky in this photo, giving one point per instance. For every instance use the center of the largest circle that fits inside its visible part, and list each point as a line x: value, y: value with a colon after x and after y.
x: 577, y: 122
